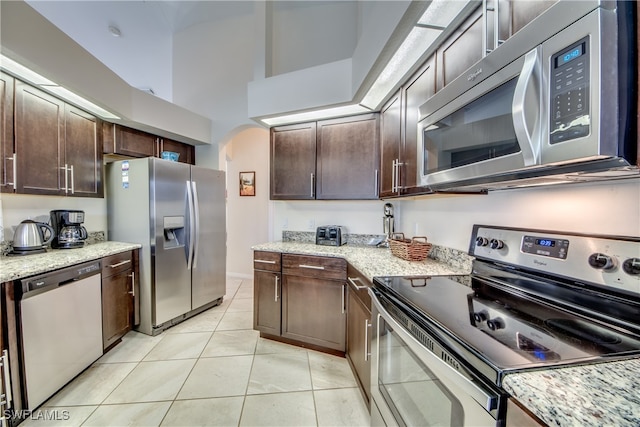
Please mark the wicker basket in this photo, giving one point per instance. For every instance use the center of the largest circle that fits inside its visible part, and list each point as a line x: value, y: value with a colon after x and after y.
x: 415, y: 249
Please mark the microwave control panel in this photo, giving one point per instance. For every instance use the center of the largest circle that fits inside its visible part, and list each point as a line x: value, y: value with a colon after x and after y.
x: 569, y: 98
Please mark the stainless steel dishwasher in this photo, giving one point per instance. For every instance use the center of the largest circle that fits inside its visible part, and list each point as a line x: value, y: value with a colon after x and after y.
x: 61, y: 328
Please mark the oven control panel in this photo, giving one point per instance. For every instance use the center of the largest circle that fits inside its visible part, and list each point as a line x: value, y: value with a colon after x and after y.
x: 545, y: 246
x: 595, y: 259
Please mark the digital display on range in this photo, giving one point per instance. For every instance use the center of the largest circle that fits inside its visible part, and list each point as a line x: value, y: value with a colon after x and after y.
x: 546, y: 242
x: 570, y: 55
x: 544, y: 246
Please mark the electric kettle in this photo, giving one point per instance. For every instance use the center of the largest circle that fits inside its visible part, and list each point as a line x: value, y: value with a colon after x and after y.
x: 30, y: 236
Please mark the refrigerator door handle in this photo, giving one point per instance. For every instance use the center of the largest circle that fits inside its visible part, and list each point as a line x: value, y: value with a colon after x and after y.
x: 191, y: 225
x: 195, y: 236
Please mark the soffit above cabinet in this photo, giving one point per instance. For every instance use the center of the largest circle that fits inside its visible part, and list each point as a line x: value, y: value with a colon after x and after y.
x: 34, y: 42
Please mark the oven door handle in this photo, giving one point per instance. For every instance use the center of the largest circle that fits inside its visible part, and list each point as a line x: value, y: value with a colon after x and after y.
x: 463, y: 380
x: 529, y: 77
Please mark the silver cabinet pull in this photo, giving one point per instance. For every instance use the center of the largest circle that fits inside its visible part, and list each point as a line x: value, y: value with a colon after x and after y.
x: 367, y: 352
x: 126, y: 261
x: 15, y: 170
x: 133, y: 283
x: 73, y: 189
x: 264, y: 261
x: 352, y: 280
x: 376, y: 189
x: 276, y: 288
x: 393, y: 176
x: 7, y: 397
x: 342, y: 310
x: 66, y: 179
x: 312, y: 185
x: 312, y: 267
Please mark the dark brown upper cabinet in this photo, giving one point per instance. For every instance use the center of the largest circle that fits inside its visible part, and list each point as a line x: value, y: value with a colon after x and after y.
x: 399, y: 132
x: 57, y: 147
x: 293, y: 162
x: 347, y: 158
x: 124, y: 141
x: 333, y: 159
x: 7, y: 165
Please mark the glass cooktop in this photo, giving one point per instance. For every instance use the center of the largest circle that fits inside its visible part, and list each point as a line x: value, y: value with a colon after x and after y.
x: 504, y: 330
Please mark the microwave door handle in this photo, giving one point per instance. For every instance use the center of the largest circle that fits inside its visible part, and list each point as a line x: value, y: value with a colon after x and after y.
x: 530, y: 70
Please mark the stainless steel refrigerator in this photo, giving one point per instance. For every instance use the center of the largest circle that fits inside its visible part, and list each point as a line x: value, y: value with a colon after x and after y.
x: 177, y: 213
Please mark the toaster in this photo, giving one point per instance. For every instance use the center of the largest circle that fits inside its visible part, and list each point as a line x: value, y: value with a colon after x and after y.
x: 331, y: 235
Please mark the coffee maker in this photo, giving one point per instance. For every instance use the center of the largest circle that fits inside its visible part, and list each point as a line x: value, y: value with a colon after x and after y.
x: 68, y: 230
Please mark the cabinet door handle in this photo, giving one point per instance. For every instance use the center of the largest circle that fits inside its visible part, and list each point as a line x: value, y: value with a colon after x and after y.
x: 264, y: 261
x: 276, y: 288
x: 312, y: 185
x: 7, y: 397
x: 367, y: 352
x: 73, y: 187
x: 126, y: 261
x: 393, y: 176
x: 311, y: 267
x: 15, y: 170
x: 352, y: 280
x: 376, y: 190
x: 342, y: 310
x: 66, y: 179
x: 133, y: 283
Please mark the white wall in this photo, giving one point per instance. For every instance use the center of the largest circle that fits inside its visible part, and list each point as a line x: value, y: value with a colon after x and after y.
x: 604, y: 208
x: 18, y: 207
x: 212, y: 65
x: 309, y: 33
x: 247, y: 216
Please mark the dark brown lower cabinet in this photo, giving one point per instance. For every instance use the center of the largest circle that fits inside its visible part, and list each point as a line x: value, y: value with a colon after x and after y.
x: 119, y: 283
x: 267, y: 306
x: 359, y: 330
x: 301, y: 299
x: 313, y: 311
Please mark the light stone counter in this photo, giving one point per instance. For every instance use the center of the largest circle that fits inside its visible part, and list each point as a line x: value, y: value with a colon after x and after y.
x: 17, y: 267
x: 372, y: 261
x: 602, y: 394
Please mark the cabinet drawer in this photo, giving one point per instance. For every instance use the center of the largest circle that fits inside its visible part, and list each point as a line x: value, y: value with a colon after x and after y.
x: 116, y: 263
x: 313, y: 266
x: 267, y: 261
x: 359, y: 285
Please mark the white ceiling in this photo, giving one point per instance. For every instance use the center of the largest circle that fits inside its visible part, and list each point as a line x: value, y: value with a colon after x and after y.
x: 143, y: 54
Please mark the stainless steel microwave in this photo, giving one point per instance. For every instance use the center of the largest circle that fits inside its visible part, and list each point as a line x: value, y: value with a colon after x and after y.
x: 554, y: 103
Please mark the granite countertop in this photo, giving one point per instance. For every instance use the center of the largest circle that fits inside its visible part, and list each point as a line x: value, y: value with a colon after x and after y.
x: 373, y: 261
x: 17, y: 267
x: 598, y: 394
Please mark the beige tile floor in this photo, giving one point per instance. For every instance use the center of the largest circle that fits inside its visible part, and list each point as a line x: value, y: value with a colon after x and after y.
x: 211, y: 370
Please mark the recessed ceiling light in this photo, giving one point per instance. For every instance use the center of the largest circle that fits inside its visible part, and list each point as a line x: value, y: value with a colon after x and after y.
x: 115, y: 31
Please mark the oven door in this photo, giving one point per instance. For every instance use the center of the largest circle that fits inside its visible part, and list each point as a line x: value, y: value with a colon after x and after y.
x: 412, y: 385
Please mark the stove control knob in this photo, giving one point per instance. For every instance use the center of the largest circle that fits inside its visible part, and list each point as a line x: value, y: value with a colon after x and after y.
x: 481, y: 241
x: 602, y: 261
x: 480, y: 316
x: 495, y: 324
x: 632, y: 266
x: 496, y: 244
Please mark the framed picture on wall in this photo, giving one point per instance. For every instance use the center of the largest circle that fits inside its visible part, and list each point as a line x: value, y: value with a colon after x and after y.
x: 247, y: 183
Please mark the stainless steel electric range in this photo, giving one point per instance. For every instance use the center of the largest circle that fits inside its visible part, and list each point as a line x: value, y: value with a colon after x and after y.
x: 535, y: 299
